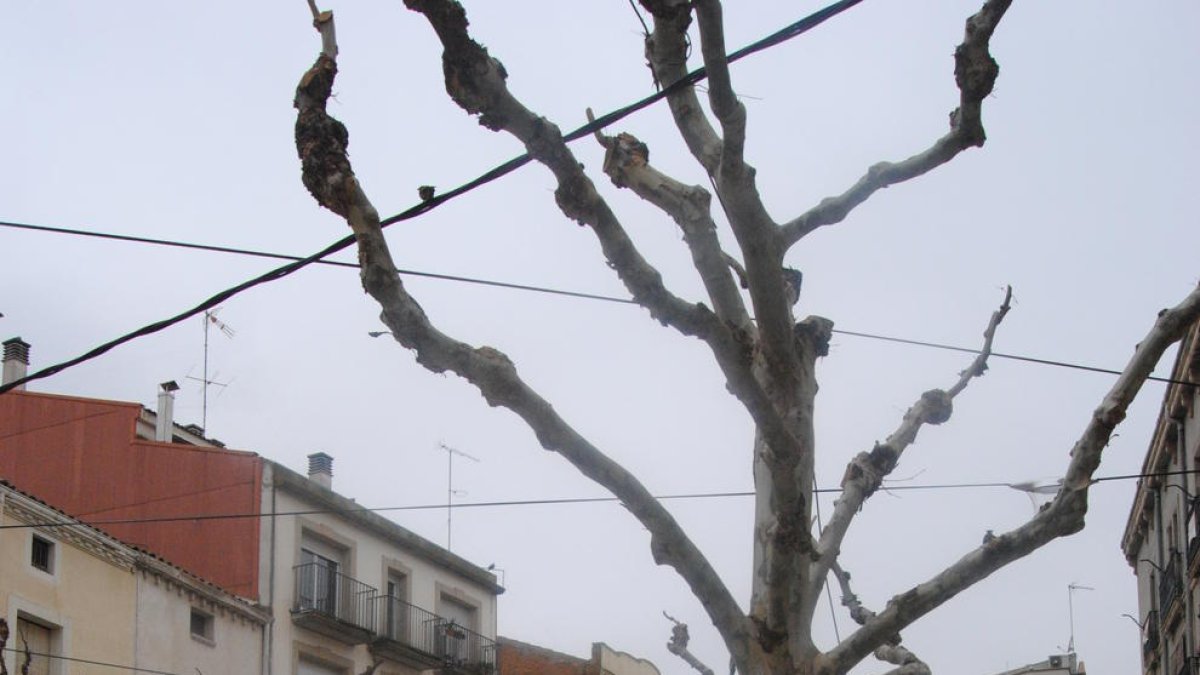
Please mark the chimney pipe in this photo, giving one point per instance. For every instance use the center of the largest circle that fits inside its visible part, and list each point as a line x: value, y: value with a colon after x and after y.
x: 164, y: 422
x: 16, y: 361
x: 320, y: 469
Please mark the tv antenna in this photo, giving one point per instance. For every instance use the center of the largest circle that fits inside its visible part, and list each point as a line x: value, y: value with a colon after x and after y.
x: 450, y: 491
x: 1071, y: 588
x: 210, y: 320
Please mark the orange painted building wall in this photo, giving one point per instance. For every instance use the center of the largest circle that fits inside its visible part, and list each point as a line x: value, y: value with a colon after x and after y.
x: 83, y: 457
x: 519, y: 658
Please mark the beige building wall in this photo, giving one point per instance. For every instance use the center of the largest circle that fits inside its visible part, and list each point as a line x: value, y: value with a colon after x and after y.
x: 613, y: 662
x: 86, y: 599
x: 227, y: 637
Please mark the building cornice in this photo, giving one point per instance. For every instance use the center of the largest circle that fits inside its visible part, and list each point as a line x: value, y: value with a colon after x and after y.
x: 353, y: 512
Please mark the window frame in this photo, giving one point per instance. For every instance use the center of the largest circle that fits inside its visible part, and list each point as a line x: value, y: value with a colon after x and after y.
x: 208, y: 634
x: 51, y: 549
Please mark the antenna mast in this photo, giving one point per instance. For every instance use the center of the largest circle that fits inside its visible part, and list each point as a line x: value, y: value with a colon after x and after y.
x: 450, y: 453
x: 210, y: 319
x: 1071, y: 588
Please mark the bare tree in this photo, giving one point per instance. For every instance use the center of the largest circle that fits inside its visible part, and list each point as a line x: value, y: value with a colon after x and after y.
x: 766, y: 356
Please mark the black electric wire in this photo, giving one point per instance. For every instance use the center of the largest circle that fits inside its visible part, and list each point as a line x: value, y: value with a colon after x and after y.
x: 542, y: 289
x: 283, y: 256
x: 90, y: 662
x: 526, y: 502
x: 692, y: 77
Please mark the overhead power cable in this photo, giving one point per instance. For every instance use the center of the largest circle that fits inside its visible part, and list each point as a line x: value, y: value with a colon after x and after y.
x: 788, y: 32
x: 527, y: 502
x: 283, y: 256
x: 536, y: 289
x: 59, y: 657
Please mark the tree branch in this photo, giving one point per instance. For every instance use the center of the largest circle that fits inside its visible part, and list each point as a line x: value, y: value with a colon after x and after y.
x: 724, y: 102
x: 1061, y: 517
x: 866, y: 471
x: 326, y: 171
x: 975, y: 74
x: 476, y: 82
x: 28, y: 654
x: 890, y: 652
x: 667, y: 51
x: 678, y: 646
x: 3, y: 645
x: 756, y: 233
x: 627, y: 163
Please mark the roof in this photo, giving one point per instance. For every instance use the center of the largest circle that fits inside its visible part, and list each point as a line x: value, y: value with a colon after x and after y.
x: 354, y: 512
x: 133, y: 555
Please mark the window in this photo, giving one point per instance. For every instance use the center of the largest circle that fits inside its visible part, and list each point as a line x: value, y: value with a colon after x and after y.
x: 319, y: 578
x: 202, y: 626
x: 42, y: 554
x: 40, y: 641
x: 318, y: 582
x: 454, y: 639
x: 396, y: 614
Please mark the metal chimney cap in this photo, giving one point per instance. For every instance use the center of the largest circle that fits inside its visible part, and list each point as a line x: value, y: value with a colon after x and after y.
x: 169, y: 385
x: 319, y: 462
x: 16, y: 349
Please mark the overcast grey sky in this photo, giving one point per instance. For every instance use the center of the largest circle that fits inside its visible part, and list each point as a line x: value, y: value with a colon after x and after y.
x: 174, y: 120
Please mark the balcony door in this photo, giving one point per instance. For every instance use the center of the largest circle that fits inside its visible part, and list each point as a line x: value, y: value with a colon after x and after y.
x: 319, y: 580
x: 396, y: 618
x: 456, y: 640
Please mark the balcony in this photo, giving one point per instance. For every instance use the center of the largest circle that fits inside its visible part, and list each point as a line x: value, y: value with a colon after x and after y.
x: 1180, y: 664
x: 333, y: 604
x: 1150, y: 637
x: 1170, y: 590
x: 1194, y: 544
x: 423, y: 640
x: 464, y: 651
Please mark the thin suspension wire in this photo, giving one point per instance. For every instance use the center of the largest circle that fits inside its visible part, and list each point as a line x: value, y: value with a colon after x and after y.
x: 542, y: 289
x: 525, y: 502
x: 90, y: 662
x: 788, y: 32
x: 828, y: 593
x: 333, y: 263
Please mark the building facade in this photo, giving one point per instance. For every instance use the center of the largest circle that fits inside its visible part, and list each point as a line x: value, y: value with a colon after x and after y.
x: 81, y: 600
x: 1162, y: 537
x: 347, y: 590
x: 521, y: 658
x: 352, y: 590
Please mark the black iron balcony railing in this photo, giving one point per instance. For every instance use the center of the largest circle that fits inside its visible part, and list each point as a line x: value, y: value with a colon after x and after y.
x: 435, y: 639
x: 322, y: 590
x: 407, y: 624
x: 1150, y: 635
x: 1170, y: 586
x: 463, y: 649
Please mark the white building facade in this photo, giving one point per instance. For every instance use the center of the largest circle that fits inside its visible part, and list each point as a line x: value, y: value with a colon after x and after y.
x: 1162, y: 536
x: 352, y: 591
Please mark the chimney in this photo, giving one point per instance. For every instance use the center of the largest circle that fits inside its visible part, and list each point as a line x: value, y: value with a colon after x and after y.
x: 16, y: 361
x: 320, y: 469
x: 164, y: 422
